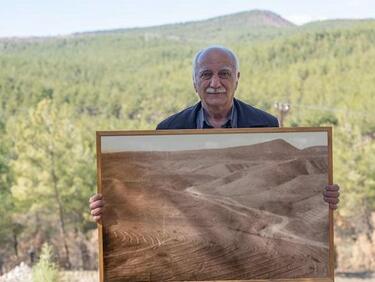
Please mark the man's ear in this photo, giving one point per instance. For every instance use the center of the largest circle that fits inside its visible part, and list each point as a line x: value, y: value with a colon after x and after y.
x: 238, y: 78
x: 195, y: 87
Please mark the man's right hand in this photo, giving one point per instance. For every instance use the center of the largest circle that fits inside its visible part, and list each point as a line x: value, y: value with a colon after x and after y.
x: 96, y: 207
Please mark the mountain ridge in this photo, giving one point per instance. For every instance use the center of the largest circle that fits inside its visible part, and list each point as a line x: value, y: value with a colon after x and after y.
x: 255, y: 24
x: 269, y: 18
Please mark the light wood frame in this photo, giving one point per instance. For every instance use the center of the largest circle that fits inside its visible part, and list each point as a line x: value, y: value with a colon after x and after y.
x: 326, y: 130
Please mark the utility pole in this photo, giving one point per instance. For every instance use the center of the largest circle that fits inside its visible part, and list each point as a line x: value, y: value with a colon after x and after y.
x: 283, y: 109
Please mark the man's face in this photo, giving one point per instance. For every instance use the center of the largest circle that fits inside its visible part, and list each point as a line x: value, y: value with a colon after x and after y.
x: 216, y: 79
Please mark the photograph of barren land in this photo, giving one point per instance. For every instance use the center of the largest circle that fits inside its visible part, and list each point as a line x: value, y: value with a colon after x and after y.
x: 236, y: 213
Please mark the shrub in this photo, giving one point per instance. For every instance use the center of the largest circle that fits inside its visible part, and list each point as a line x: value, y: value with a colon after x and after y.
x: 45, y: 269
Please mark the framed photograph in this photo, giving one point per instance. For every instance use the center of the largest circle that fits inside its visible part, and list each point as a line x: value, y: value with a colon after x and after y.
x: 215, y: 205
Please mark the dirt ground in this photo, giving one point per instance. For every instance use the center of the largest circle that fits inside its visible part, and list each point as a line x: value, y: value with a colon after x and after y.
x: 164, y: 223
x: 342, y: 279
x: 92, y: 276
x: 355, y: 277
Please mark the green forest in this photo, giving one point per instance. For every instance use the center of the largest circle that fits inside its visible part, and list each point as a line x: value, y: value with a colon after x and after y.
x: 56, y: 92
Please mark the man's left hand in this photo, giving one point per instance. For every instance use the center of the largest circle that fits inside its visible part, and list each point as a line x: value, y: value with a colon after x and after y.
x: 331, y: 195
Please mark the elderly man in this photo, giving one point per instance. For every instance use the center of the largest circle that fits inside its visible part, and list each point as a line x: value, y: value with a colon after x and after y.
x: 215, y: 79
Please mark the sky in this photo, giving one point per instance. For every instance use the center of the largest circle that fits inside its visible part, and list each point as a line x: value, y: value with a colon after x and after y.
x: 152, y: 142
x: 50, y: 17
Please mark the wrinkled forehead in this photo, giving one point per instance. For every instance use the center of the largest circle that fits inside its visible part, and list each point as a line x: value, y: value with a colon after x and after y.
x: 217, y: 59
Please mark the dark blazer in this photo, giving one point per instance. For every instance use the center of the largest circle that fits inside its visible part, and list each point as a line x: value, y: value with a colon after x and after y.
x: 247, y: 116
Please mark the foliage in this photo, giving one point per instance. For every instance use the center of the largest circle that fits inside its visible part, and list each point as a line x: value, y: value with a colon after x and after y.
x: 56, y: 92
x: 54, y: 177
x: 8, y: 228
x: 45, y: 269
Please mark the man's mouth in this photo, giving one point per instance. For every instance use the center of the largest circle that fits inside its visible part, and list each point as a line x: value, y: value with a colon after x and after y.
x: 215, y: 91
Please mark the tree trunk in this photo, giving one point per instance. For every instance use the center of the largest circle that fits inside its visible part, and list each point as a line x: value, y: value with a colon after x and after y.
x: 61, y: 211
x: 84, y: 255
x: 15, y: 242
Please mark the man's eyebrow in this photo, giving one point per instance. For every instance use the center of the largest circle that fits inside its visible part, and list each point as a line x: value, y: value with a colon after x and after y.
x: 226, y: 68
x: 222, y: 69
x: 205, y: 70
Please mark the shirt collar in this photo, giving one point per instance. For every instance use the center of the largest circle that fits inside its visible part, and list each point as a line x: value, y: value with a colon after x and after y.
x: 202, y: 120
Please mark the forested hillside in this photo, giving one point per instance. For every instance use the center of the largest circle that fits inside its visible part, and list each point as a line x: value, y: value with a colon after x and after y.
x: 56, y: 92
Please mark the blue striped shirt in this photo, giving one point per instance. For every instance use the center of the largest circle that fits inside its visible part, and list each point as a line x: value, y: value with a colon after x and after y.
x: 202, y: 119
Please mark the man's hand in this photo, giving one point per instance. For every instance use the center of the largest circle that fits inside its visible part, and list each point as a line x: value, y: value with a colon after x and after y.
x: 331, y: 195
x: 96, y: 207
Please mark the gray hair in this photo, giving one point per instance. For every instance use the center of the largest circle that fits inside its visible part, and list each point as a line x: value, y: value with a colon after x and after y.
x: 222, y: 48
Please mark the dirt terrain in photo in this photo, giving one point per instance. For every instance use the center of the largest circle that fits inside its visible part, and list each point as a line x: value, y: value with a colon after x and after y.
x: 249, y: 212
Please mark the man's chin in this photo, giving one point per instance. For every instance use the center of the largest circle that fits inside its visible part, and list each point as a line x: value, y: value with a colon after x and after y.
x: 217, y: 97
x: 216, y: 102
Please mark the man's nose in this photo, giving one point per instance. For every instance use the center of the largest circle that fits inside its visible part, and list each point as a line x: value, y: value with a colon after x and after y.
x: 215, y: 81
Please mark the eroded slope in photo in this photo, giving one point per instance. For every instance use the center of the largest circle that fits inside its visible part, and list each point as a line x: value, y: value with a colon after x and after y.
x: 246, y: 212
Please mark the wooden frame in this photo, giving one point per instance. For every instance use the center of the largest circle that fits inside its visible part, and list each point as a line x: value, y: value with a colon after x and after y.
x: 198, y: 205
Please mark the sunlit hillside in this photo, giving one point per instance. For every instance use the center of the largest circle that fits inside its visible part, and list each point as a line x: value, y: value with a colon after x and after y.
x: 56, y: 92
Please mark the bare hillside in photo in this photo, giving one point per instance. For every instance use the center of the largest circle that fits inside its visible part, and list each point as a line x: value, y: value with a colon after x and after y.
x: 248, y: 212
